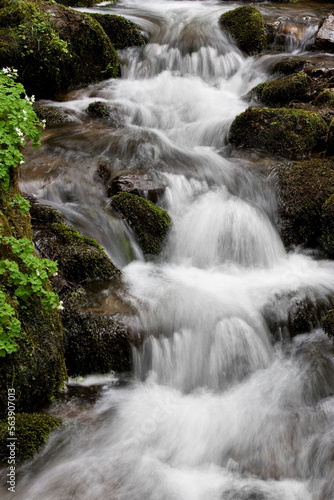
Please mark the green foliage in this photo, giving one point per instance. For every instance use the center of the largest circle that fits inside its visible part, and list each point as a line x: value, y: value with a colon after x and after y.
x: 17, y: 121
x: 25, y: 273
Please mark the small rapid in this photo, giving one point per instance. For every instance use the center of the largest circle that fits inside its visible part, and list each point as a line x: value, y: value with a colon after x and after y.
x: 222, y: 404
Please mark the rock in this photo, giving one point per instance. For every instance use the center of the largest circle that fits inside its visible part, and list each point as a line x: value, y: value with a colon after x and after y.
x: 51, y: 115
x: 79, y: 3
x: 285, y: 132
x: 327, y: 323
x: 53, y: 47
x: 138, y: 183
x: 289, y: 65
x: 121, y: 32
x: 80, y: 259
x: 330, y: 139
x: 282, y: 91
x: 31, y: 432
x: 327, y: 220
x: 93, y: 344
x: 246, y: 25
x: 99, y: 109
x: 149, y: 222
x: 324, y: 39
x: 304, y: 189
x: 325, y: 98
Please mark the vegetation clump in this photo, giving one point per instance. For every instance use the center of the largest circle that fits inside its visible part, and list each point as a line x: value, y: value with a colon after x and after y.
x: 54, y: 47
x: 286, y: 132
x: 283, y: 90
x: 149, y: 222
x: 121, y: 32
x: 31, y: 432
x: 306, y: 203
x: 246, y: 25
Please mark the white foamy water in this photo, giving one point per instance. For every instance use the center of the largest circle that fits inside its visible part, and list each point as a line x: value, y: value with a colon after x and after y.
x: 222, y: 404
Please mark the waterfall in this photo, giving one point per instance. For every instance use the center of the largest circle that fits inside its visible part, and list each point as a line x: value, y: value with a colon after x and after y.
x: 216, y: 409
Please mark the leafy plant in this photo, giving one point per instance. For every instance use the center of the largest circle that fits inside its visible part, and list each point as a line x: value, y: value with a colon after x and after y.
x: 26, y: 274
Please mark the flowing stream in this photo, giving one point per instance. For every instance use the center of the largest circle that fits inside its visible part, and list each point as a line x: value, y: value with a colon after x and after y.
x: 222, y: 403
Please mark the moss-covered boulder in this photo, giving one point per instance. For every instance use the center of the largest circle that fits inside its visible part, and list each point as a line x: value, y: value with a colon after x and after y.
x: 246, y: 25
x: 149, y: 222
x: 99, y: 109
x: 80, y: 259
x: 289, y: 65
x: 80, y: 3
x: 283, y: 90
x: 286, y: 132
x: 305, y: 203
x: 51, y: 115
x: 31, y: 432
x: 121, y: 32
x: 327, y: 323
x: 327, y: 225
x: 325, y: 98
x: 94, y: 344
x: 54, y: 47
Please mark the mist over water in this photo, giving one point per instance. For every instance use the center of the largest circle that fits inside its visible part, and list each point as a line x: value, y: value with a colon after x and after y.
x: 222, y: 405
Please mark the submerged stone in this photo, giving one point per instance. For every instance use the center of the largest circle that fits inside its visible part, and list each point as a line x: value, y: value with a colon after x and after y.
x: 138, y: 183
x: 286, y: 132
x: 246, y: 25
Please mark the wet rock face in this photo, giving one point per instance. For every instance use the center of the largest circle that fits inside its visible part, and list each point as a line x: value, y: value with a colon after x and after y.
x: 149, y: 222
x: 121, y: 32
x: 138, y: 183
x: 305, y: 203
x: 290, y: 133
x: 246, y: 25
x: 282, y: 91
x: 80, y: 259
x: 325, y: 37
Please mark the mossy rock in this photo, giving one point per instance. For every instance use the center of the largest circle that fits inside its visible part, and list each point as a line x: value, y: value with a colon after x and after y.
x: 36, y: 370
x: 121, y: 32
x: 80, y: 259
x: 327, y: 236
x: 51, y: 115
x: 290, y: 133
x: 54, y: 47
x: 283, y: 90
x: 327, y: 323
x: 289, y: 65
x: 325, y: 98
x: 99, y: 109
x: 149, y: 222
x: 246, y: 25
x: 94, y: 344
x: 31, y: 432
x: 79, y: 3
x: 306, y: 190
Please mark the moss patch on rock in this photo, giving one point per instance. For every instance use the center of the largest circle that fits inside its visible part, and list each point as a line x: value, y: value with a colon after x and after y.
x: 31, y: 430
x: 325, y: 98
x: 327, y: 323
x: 54, y: 47
x: 149, y: 222
x: 246, y: 25
x: 51, y: 115
x: 99, y: 109
x: 121, y: 32
x: 306, y: 211
x: 289, y: 65
x: 283, y: 90
x: 94, y: 344
x: 286, y: 132
x: 80, y: 259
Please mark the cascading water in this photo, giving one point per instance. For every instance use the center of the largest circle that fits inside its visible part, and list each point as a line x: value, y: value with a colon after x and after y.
x: 216, y: 409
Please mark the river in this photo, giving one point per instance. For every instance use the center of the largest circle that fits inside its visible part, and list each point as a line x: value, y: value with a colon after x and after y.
x: 222, y: 405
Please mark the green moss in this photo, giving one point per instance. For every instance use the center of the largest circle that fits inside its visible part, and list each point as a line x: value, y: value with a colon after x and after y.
x: 79, y: 3
x: 31, y: 431
x: 246, y: 25
x: 305, y: 207
x: 289, y: 65
x: 325, y: 98
x: 328, y: 224
x: 149, y: 222
x: 283, y: 90
x: 121, y: 32
x: 54, y: 47
x: 80, y: 259
x: 327, y: 323
x: 51, y: 115
x: 94, y: 344
x: 99, y: 109
x: 286, y: 132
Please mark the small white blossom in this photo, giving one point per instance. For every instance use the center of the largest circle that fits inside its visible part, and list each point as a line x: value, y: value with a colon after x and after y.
x: 37, y: 272
x: 22, y: 140
x: 27, y: 98
x: 24, y: 111
x: 19, y: 132
x: 55, y: 274
x: 60, y: 307
x: 32, y: 99
x: 22, y: 162
x: 24, y: 118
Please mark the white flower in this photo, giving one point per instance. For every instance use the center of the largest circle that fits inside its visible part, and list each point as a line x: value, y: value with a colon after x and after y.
x: 27, y: 98
x: 22, y: 140
x: 60, y: 307
x: 22, y: 162
x: 19, y: 132
x: 32, y: 99
x: 24, y: 111
x: 55, y: 274
x: 24, y: 118
x: 5, y: 70
x: 37, y: 272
